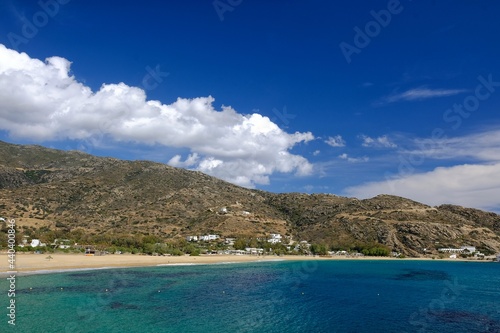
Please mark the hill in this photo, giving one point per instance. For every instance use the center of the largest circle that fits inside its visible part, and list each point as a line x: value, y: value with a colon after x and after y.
x: 53, y: 193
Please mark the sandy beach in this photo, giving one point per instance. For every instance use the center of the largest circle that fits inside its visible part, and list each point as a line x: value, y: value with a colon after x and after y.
x: 39, y: 262
x: 26, y: 263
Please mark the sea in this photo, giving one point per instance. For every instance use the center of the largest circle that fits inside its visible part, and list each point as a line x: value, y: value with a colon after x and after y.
x: 341, y: 296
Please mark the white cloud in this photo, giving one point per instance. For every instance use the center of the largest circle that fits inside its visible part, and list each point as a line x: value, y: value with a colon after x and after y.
x: 474, y: 180
x: 191, y: 160
x: 353, y: 159
x: 483, y: 146
x: 467, y: 185
x: 422, y: 93
x: 41, y: 101
x: 380, y: 142
x: 335, y: 141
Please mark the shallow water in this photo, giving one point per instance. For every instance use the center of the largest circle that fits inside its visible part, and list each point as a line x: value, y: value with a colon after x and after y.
x: 288, y: 296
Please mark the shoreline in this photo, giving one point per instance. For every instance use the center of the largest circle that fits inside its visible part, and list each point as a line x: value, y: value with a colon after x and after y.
x: 28, y: 264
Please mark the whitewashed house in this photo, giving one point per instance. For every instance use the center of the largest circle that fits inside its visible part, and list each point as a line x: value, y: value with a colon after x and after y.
x: 207, y: 238
x: 469, y: 249
x: 462, y: 249
x: 192, y: 238
x: 254, y: 250
x: 450, y: 250
x: 275, y: 238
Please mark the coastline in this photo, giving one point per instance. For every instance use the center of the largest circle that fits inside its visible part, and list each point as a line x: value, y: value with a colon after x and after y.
x: 27, y: 264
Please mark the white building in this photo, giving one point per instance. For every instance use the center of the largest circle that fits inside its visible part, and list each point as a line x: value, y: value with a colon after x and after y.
x: 450, y: 250
x: 303, y: 245
x: 35, y: 243
x: 462, y: 249
x: 208, y: 238
x: 253, y: 250
x: 470, y: 249
x: 275, y: 238
x: 192, y: 238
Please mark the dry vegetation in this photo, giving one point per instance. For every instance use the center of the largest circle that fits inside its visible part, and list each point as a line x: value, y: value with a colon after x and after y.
x: 75, y: 192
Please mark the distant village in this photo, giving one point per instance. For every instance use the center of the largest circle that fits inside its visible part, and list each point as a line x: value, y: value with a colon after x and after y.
x: 214, y: 244
x: 226, y: 246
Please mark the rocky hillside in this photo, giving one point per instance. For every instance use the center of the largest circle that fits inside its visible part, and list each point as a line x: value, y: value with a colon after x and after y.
x: 70, y: 191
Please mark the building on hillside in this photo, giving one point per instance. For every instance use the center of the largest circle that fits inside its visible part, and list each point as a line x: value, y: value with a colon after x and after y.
x: 462, y: 249
x: 230, y: 241
x: 192, y: 238
x: 450, y: 250
x: 36, y: 243
x: 61, y: 243
x: 302, y: 245
x: 468, y: 249
x: 275, y: 238
x: 207, y: 238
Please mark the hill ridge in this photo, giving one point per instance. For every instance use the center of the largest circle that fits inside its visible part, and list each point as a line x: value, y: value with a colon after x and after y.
x: 67, y: 191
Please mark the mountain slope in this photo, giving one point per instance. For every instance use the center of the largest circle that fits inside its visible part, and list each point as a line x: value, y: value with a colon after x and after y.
x: 69, y: 191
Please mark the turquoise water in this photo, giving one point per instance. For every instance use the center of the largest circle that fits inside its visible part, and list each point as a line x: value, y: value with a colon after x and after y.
x: 286, y: 296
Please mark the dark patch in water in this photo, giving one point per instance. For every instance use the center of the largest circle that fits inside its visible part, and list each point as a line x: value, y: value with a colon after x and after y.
x: 483, y: 323
x: 422, y: 275
x: 118, y: 286
x: 123, y: 306
x: 130, y: 274
x: 81, y: 275
x: 457, y: 316
x: 49, y: 290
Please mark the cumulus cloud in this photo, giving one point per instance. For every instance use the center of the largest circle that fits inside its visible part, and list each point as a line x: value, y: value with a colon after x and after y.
x: 42, y: 101
x: 467, y: 185
x: 380, y: 142
x: 335, y: 141
x: 422, y: 93
x: 191, y: 160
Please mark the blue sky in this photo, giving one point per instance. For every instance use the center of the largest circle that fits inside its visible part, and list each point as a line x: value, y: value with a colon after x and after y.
x: 353, y: 98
